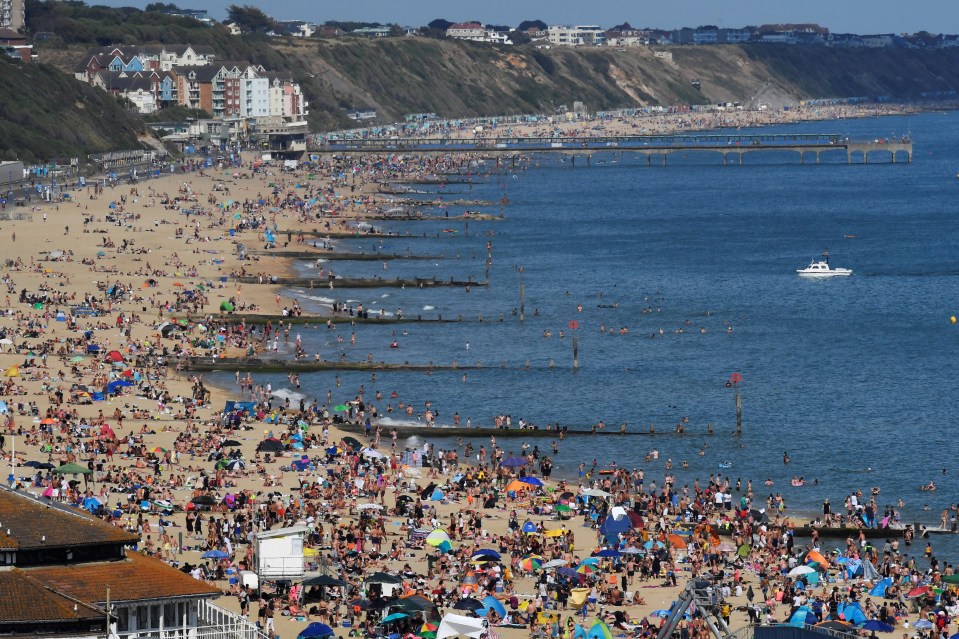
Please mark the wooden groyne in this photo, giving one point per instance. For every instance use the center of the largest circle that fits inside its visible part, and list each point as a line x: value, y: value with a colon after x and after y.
x: 297, y: 320
x: 355, y: 282
x: 486, y: 433
x: 346, y: 257
x: 207, y: 364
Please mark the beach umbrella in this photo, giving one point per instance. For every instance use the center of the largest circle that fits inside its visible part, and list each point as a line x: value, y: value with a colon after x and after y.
x: 569, y: 573
x: 876, y: 625
x: 362, y: 604
x: 341, y: 408
x: 563, y: 508
x: 919, y: 591
x: 158, y: 450
x: 607, y: 552
x: 214, y: 554
x: 529, y: 528
x: 652, y: 543
x: 487, y: 554
x: 799, y: 571
x: 226, y: 306
x: 372, y: 453
x: 352, y: 442
x: 438, y: 539
x: 531, y: 564
x: 383, y: 578
x: 396, y: 616
x: 555, y: 563
x: 586, y: 569
x: 315, y: 629
x: 662, y: 614
x: 951, y: 579
x: 230, y: 442
x: 532, y: 481
x: 513, y: 462
x: 923, y: 624
x: 76, y: 359
x: 72, y: 468
x: 468, y: 603
x: 324, y: 580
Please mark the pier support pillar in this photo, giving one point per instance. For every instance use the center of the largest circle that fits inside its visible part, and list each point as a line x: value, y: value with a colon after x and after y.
x: 725, y: 159
x: 589, y: 157
x: 665, y: 155
x: 741, y: 154
x: 649, y: 160
x: 817, y: 157
x: 573, y: 158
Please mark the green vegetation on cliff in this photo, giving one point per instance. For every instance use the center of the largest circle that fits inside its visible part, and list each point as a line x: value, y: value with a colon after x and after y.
x: 46, y: 114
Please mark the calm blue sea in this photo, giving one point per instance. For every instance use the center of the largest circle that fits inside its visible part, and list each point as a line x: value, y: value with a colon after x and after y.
x: 854, y: 377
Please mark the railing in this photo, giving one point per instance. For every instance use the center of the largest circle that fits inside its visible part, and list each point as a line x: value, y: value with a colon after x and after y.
x: 224, y: 624
x: 213, y: 623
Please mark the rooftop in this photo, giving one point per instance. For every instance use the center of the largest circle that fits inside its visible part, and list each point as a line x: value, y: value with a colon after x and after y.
x: 135, y: 578
x: 27, y: 523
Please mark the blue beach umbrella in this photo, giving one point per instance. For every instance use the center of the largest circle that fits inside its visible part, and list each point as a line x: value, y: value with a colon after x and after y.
x: 879, y: 626
x: 214, y: 554
x: 532, y: 481
x: 529, y: 527
x: 315, y: 629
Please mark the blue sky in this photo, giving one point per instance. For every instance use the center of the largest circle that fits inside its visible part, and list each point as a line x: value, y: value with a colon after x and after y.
x: 858, y: 16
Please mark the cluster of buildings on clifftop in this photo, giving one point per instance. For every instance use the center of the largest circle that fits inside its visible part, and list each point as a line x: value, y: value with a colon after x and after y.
x: 156, y: 76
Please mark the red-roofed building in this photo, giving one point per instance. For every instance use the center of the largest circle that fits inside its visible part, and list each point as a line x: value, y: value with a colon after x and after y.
x: 69, y: 572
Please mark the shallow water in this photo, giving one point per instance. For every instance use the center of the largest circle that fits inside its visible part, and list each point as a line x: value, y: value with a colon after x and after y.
x: 854, y: 377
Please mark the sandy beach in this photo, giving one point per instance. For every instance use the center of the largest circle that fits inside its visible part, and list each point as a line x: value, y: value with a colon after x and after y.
x: 127, y: 253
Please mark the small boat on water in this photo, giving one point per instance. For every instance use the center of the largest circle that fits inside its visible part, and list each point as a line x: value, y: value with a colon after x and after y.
x: 821, y: 268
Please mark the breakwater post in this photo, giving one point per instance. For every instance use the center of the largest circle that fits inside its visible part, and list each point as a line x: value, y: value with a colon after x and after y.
x: 522, y: 300
x: 575, y: 354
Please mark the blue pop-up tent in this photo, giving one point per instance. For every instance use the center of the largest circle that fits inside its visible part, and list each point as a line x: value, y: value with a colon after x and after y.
x: 879, y: 590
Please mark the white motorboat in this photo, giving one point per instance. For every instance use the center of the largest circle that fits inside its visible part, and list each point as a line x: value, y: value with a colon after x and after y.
x: 821, y: 268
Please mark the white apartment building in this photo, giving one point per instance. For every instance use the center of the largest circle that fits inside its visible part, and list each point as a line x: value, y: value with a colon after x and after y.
x: 254, y: 97
x: 578, y: 36
x: 12, y: 14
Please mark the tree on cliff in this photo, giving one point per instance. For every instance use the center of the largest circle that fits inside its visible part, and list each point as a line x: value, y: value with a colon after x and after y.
x: 249, y: 18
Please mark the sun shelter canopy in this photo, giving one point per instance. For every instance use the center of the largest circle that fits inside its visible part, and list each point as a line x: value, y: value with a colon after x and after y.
x: 453, y: 625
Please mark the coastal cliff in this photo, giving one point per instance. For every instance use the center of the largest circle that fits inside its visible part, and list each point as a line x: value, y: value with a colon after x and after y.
x: 50, y: 114
x: 459, y: 79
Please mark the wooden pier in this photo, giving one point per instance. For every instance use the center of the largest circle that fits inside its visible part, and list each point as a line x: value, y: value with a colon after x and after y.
x: 731, y: 146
